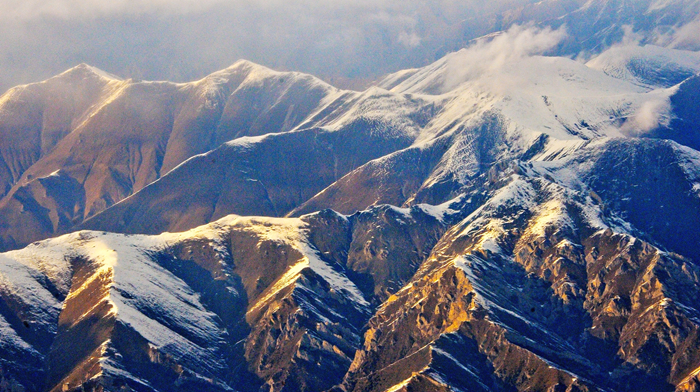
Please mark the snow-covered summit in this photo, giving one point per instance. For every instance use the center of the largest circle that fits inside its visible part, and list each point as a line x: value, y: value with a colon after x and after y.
x: 649, y: 65
x: 84, y: 70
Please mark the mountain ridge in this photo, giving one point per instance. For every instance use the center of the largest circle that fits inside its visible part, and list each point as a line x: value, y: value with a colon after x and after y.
x: 494, y: 221
x: 446, y: 125
x: 125, y: 155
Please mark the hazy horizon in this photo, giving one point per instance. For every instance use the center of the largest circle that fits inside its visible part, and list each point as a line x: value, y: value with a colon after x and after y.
x: 347, y: 43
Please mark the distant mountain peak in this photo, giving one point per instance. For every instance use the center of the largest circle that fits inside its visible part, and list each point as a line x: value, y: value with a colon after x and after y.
x: 84, y: 70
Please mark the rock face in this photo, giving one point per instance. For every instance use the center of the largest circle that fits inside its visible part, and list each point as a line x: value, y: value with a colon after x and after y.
x: 242, y: 301
x: 514, y: 300
x: 539, y: 288
x: 264, y: 231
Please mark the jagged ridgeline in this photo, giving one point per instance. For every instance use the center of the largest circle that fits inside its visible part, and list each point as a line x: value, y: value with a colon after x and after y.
x: 532, y: 224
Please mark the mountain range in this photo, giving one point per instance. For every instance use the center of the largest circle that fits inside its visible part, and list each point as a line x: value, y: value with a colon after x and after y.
x: 506, y: 218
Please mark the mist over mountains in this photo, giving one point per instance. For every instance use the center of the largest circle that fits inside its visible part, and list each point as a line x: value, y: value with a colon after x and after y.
x: 519, y: 210
x: 347, y: 43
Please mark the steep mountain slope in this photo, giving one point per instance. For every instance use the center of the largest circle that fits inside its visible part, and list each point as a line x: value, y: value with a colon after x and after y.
x: 35, y: 118
x: 82, y: 141
x: 436, y: 131
x: 684, y: 119
x: 541, y: 287
x: 601, y: 23
x: 460, y: 111
x: 269, y: 175
x: 171, y: 311
x: 534, y: 281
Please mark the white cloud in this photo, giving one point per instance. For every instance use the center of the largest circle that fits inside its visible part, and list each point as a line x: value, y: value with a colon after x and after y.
x: 684, y: 36
x: 629, y: 38
x: 688, y: 36
x: 655, y: 111
x: 183, y: 40
x: 409, y: 40
x: 490, y: 56
x: 652, y: 114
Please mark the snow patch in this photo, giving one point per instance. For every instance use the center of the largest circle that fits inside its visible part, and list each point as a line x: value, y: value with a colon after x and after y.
x: 632, y: 62
x: 550, y: 214
x: 441, y: 211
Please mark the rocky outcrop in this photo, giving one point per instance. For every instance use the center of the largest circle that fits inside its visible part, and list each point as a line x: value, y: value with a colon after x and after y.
x: 530, y: 298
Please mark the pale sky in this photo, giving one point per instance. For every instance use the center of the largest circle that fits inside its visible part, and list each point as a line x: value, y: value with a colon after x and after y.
x: 346, y: 42
x: 187, y: 39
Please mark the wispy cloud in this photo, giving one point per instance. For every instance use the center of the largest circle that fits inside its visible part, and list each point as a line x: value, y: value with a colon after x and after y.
x: 185, y: 39
x: 652, y: 114
x: 688, y: 36
x: 490, y: 56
